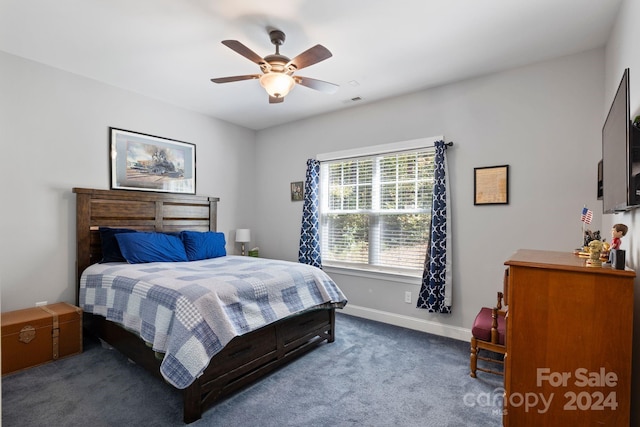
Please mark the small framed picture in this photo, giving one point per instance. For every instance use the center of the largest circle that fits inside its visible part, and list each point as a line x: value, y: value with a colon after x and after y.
x: 151, y: 163
x: 491, y: 185
x: 297, y: 191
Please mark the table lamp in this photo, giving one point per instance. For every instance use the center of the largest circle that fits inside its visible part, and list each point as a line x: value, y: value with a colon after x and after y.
x: 243, y: 235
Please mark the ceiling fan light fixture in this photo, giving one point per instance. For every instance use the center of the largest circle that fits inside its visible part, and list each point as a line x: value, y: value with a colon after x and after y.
x: 277, y: 85
x: 277, y: 70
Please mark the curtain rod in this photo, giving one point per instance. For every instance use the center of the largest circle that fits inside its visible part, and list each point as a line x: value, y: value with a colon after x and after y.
x: 413, y: 145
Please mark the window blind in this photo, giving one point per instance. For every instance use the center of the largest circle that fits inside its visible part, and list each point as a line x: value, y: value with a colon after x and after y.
x: 375, y: 210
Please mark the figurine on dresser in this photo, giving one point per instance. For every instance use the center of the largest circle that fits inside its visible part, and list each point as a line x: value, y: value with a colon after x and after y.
x: 617, y: 233
x: 617, y: 255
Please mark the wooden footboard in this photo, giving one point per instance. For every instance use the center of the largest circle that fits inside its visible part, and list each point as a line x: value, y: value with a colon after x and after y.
x: 244, y: 360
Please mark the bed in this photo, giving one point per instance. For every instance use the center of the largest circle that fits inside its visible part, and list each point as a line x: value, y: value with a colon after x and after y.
x: 241, y: 352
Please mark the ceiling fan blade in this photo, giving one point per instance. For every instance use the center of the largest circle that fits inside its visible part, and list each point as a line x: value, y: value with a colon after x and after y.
x: 320, y: 85
x: 236, y: 78
x: 274, y: 100
x: 238, y: 47
x: 310, y: 56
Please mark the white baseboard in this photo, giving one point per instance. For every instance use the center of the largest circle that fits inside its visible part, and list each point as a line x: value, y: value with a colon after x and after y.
x: 454, y: 332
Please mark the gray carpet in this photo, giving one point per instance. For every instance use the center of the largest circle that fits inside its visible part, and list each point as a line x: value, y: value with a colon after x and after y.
x: 372, y: 375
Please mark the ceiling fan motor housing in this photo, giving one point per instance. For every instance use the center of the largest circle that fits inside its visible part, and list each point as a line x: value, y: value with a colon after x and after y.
x: 277, y: 37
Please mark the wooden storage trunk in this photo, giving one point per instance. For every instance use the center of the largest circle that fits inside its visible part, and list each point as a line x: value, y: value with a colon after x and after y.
x: 38, y: 335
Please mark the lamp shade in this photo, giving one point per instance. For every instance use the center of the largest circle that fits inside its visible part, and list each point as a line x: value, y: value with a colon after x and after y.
x: 243, y: 235
x: 277, y: 85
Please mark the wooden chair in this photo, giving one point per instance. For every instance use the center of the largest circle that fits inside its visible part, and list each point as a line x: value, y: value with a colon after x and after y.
x: 489, y: 333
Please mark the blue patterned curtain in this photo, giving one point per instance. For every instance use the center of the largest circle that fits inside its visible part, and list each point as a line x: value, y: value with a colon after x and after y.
x: 435, y: 293
x: 309, y: 252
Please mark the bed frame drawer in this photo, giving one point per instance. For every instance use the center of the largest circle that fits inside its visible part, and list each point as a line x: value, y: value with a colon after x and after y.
x: 241, y: 351
x: 305, y: 324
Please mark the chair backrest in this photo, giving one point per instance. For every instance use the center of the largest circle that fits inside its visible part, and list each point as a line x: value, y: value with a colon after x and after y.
x: 505, y: 287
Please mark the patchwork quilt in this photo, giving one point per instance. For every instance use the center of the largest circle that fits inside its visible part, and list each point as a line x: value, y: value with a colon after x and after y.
x: 190, y: 310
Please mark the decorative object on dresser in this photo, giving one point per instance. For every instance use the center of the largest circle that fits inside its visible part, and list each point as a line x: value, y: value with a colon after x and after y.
x: 489, y: 333
x: 595, y: 249
x: 151, y: 163
x: 251, y: 353
x: 588, y: 236
x: 243, y: 235
x: 569, y: 342
x: 617, y: 255
x: 33, y: 336
x: 617, y: 259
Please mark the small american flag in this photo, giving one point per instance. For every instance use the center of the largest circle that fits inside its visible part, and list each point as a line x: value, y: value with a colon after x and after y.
x: 587, y: 216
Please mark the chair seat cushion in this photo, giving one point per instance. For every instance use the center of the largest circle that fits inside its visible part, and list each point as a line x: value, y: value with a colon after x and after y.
x: 482, y: 326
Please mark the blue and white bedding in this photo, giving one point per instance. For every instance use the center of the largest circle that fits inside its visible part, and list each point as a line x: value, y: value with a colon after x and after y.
x: 190, y: 310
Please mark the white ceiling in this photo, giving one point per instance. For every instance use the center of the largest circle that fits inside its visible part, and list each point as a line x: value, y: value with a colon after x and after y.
x: 170, y: 49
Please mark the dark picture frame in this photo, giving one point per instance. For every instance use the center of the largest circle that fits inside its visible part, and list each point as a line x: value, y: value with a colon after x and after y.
x: 151, y: 163
x: 491, y: 185
x: 297, y: 191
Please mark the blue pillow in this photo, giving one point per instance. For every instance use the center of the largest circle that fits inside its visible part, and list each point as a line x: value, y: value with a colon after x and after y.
x: 151, y: 247
x: 203, y: 245
x: 110, y: 249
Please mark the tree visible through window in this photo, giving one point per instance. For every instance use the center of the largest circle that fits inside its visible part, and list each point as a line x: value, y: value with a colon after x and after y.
x: 375, y: 211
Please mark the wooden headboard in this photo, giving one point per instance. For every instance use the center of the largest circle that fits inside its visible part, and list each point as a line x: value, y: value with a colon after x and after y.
x: 139, y: 210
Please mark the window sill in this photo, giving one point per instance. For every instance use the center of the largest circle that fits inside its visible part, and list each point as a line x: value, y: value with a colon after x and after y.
x: 373, y: 274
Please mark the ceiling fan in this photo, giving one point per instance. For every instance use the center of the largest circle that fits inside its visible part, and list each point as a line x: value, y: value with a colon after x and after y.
x: 277, y: 70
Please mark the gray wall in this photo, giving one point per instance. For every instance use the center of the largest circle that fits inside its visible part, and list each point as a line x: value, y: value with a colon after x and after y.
x: 54, y: 136
x: 543, y: 120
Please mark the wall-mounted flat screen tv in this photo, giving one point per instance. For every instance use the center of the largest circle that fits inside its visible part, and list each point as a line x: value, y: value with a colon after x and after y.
x: 620, y: 154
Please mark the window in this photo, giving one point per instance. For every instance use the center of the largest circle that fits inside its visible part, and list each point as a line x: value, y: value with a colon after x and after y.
x: 375, y: 211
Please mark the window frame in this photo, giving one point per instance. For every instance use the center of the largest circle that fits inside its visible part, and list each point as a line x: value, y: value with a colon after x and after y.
x: 369, y: 270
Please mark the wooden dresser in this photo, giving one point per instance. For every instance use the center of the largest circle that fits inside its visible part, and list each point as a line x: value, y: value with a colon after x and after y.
x: 569, y: 338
